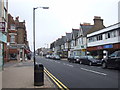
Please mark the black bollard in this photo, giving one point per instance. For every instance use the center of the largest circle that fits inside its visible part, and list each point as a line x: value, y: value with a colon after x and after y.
x: 38, y: 75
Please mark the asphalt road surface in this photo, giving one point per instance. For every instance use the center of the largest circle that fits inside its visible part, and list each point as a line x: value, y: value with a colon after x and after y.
x: 75, y: 75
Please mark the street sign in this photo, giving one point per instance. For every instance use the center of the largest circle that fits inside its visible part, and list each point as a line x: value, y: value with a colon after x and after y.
x: 2, y: 26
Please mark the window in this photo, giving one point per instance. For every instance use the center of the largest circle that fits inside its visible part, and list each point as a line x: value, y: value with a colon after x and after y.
x: 118, y: 32
x: 5, y: 14
x: 99, y: 37
x: 12, y: 39
x: 12, y: 26
x: 107, y: 35
x: 111, y: 34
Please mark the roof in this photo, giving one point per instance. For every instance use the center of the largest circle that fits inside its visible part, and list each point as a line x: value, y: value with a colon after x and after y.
x: 63, y: 39
x: 68, y: 36
x: 86, y: 28
x: 75, y: 33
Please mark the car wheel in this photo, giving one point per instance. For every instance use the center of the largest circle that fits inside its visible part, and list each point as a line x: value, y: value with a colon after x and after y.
x: 80, y: 62
x: 90, y: 63
x: 104, y: 65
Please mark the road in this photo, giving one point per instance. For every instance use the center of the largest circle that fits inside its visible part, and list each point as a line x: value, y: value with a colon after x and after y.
x: 75, y: 75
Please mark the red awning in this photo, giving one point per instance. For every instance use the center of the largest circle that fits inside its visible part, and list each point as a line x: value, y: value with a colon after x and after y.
x: 27, y: 51
x: 13, y: 51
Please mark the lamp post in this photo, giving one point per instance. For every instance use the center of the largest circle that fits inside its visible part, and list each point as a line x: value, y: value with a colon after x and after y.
x: 38, y: 69
x: 34, y: 29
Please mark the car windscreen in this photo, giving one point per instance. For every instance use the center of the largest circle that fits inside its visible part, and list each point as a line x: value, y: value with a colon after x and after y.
x: 90, y: 57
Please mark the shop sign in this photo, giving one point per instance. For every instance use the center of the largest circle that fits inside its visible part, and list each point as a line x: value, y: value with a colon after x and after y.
x: 99, y: 47
x: 2, y: 26
x: 108, y: 46
x: 83, y: 50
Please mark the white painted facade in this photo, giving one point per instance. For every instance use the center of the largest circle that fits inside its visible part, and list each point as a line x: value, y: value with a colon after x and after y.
x: 109, y: 36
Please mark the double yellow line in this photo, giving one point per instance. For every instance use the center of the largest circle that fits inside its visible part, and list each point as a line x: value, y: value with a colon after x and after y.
x: 56, y: 81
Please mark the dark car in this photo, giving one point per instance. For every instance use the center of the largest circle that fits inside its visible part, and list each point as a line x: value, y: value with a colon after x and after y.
x: 89, y: 60
x: 74, y: 59
x: 71, y: 59
x: 77, y: 59
x: 112, y: 61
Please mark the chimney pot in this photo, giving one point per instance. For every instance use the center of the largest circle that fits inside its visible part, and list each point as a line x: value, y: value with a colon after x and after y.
x: 97, y: 17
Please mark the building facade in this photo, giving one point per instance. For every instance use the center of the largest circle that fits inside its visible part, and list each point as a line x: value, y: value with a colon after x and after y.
x: 104, y: 42
x: 18, y: 47
x: 3, y: 30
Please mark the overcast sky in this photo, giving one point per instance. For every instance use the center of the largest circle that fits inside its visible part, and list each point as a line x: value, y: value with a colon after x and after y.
x: 61, y: 17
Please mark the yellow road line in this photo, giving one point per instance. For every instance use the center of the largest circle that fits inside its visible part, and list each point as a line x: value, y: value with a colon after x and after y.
x: 53, y: 80
x: 57, y: 79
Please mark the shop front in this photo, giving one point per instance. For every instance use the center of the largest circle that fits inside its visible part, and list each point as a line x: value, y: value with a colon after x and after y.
x: 103, y: 51
x: 3, y: 39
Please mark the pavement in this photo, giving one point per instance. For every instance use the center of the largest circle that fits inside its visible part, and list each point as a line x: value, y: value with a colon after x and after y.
x: 0, y: 79
x: 21, y: 75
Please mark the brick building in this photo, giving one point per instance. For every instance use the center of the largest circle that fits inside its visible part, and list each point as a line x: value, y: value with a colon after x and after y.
x: 18, y: 47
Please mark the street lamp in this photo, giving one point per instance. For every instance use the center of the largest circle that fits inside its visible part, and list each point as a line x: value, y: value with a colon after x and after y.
x: 34, y: 28
x: 38, y: 74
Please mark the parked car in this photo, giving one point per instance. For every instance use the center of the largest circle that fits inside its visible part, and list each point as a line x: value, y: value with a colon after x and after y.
x: 47, y: 56
x: 56, y: 57
x: 112, y: 61
x: 77, y: 59
x: 89, y: 60
x: 51, y: 56
x: 71, y: 58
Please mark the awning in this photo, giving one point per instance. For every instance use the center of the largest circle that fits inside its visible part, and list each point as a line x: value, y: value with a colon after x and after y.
x: 27, y: 51
x: 13, y: 51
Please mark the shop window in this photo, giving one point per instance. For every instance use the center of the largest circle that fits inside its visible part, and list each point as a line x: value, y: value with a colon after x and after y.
x: 20, y: 54
x: 12, y: 26
x: 13, y: 56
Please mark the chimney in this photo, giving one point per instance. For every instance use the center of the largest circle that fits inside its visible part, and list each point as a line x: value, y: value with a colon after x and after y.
x: 17, y: 18
x: 86, y: 23
x: 98, y: 21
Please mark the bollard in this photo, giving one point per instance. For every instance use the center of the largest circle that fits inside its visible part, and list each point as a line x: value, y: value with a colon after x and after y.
x: 38, y: 75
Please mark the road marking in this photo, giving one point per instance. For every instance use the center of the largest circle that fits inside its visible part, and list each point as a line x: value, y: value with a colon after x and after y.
x: 98, y: 67
x: 58, y: 83
x: 64, y: 63
x: 93, y: 71
x: 70, y: 65
x: 57, y: 62
x: 53, y: 79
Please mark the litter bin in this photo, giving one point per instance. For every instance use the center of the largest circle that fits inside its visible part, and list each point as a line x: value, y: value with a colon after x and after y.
x: 38, y: 75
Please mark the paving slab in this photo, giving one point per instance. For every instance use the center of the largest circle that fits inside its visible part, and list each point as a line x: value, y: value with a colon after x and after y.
x: 22, y: 76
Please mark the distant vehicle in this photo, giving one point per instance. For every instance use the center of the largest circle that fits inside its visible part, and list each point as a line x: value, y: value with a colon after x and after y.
x: 47, y: 56
x: 89, y: 60
x: 51, y: 56
x: 112, y: 61
x: 56, y: 57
